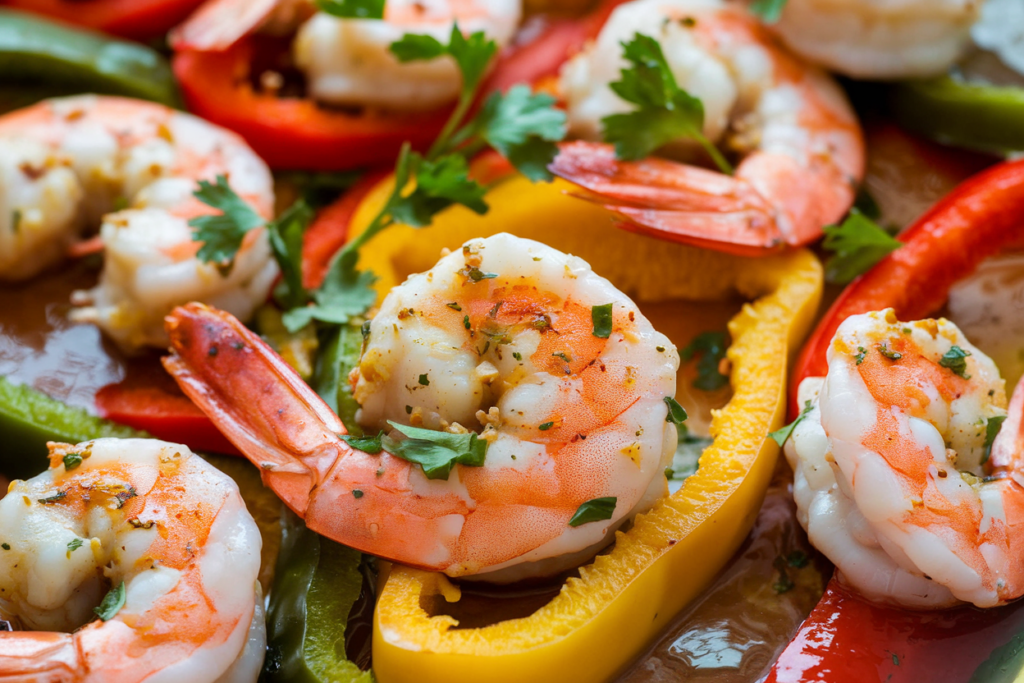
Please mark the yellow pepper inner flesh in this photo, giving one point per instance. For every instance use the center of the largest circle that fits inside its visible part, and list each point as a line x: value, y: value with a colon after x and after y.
x: 603, y: 620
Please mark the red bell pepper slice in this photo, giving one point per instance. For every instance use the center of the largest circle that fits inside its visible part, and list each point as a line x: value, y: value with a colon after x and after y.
x: 150, y: 400
x: 134, y: 19
x: 847, y: 639
x: 980, y: 218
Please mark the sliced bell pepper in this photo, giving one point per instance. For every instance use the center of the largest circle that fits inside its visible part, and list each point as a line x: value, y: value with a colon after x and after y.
x: 602, y: 620
x: 40, y: 53
x: 962, y: 113
x: 847, y: 639
x: 135, y: 19
x: 978, y: 219
x: 316, y: 584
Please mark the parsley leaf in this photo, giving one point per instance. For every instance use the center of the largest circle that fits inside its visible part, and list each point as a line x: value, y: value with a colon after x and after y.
x: 74, y: 544
x: 472, y: 55
x: 286, y: 238
x: 71, y: 461
x: 768, y: 10
x: 781, y: 436
x: 956, y: 360
x: 352, y: 9
x: 112, y: 603
x: 595, y: 510
x: 439, y: 184
x: 665, y: 112
x: 436, y: 452
x: 366, y: 444
x: 712, y: 348
x: 222, y: 234
x: 676, y: 413
x: 857, y: 245
x: 601, y: 316
x: 344, y: 294
x: 992, y: 427
x: 524, y: 127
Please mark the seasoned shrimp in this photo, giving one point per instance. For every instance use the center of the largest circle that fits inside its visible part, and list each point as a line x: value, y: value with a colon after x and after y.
x: 802, y: 148
x: 892, y: 482
x: 348, y: 62
x: 150, y: 520
x: 67, y: 164
x: 880, y: 38
x: 565, y: 376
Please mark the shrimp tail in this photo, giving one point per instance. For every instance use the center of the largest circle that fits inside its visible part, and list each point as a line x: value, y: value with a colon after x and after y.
x: 672, y: 201
x: 282, y: 426
x: 258, y: 402
x: 38, y: 656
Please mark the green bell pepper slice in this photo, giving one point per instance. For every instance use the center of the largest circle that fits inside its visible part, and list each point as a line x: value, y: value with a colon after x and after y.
x: 53, y: 59
x: 28, y: 419
x: 316, y: 584
x: 954, y: 111
x: 338, y: 355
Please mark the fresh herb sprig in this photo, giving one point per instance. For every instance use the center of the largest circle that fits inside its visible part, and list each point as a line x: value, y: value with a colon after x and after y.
x: 664, y: 112
x: 768, y: 10
x: 856, y: 245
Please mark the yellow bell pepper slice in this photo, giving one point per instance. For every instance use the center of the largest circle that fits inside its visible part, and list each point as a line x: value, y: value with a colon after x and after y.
x: 604, y: 619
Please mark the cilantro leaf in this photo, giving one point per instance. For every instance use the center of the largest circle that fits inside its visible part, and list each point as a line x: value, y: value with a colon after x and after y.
x: 112, y: 603
x: 595, y: 510
x: 676, y: 413
x: 524, y: 127
x: 344, y: 294
x: 352, y: 9
x: 768, y: 10
x: 712, y: 348
x: 857, y: 245
x: 664, y: 112
x: 472, y: 55
x: 436, y: 452
x: 71, y: 461
x: 992, y: 427
x: 601, y: 317
x: 366, y: 444
x: 286, y: 238
x: 439, y: 184
x: 74, y: 544
x: 222, y: 234
x: 955, y: 360
x: 781, y: 436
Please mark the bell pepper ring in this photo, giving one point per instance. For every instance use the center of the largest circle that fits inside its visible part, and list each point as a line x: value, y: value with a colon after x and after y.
x: 134, y: 19
x: 978, y: 219
x: 950, y: 110
x: 604, y: 619
x: 41, y: 53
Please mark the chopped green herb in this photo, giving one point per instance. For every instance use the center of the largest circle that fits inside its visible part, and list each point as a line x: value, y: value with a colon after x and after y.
x: 16, y: 221
x: 676, y: 413
x: 907, y: 330
x: 364, y: 329
x: 366, y: 444
x: 664, y: 112
x: 112, y: 603
x: 781, y: 436
x: 797, y: 559
x: 60, y: 495
x: 712, y: 348
x: 660, y: 349
x: 564, y: 356
x: 601, y: 316
x: 992, y: 427
x: 72, y: 461
x: 436, y: 452
x: 408, y: 410
x: 476, y: 275
x: 956, y: 360
x: 768, y: 10
x: 860, y: 355
x: 465, y: 321
x: 454, y: 306
x: 856, y: 245
x: 222, y: 234
x: 356, y: 493
x: 5, y: 546
x: 884, y: 349
x: 352, y: 9
x: 74, y: 544
x: 545, y: 426
x: 517, y: 355
x: 424, y: 380
x: 595, y: 510
x: 124, y: 496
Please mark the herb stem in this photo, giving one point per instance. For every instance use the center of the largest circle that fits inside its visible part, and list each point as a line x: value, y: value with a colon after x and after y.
x: 723, y: 165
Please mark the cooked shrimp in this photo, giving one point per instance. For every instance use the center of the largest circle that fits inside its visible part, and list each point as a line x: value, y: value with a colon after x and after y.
x: 499, y: 335
x: 879, y: 38
x: 66, y: 164
x: 892, y: 481
x: 802, y: 149
x: 348, y: 62
x: 153, y: 518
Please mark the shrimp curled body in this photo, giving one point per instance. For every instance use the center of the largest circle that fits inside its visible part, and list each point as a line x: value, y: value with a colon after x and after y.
x: 565, y: 376
x: 149, y: 514
x: 893, y: 480
x: 131, y: 166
